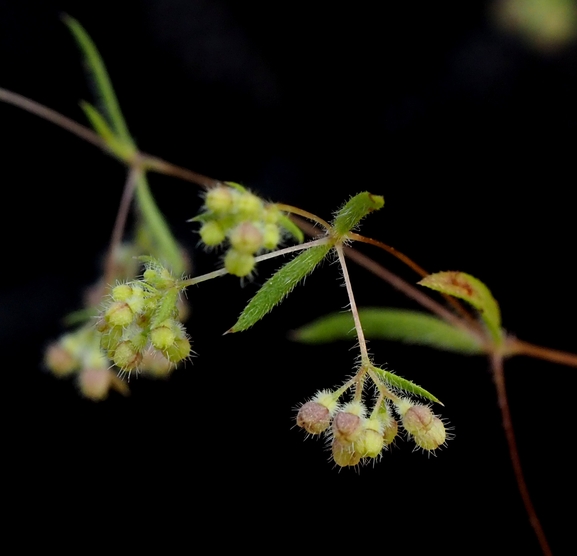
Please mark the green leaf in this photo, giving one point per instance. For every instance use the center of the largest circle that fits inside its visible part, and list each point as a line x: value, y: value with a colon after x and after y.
x: 292, y: 228
x: 406, y: 385
x: 124, y: 151
x: 97, y: 71
x: 279, y: 285
x: 355, y: 210
x: 412, y: 327
x: 473, y: 291
x: 166, y: 307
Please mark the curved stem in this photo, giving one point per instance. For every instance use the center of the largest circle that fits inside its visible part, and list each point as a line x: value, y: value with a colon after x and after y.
x: 52, y: 116
x: 120, y: 224
x: 499, y: 378
x: 160, y: 166
x: 304, y: 213
x: 414, y: 266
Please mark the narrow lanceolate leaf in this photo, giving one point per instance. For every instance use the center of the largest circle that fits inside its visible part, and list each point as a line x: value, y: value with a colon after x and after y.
x: 470, y: 289
x: 119, y: 148
x: 405, y: 385
x: 97, y: 71
x: 411, y: 327
x: 279, y: 285
x: 166, y: 308
x: 355, y: 210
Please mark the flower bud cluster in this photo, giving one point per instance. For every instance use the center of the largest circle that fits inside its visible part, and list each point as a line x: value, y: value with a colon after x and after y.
x: 357, y: 436
x: 354, y: 437
x: 79, y: 353
x: 239, y: 219
x: 139, y: 326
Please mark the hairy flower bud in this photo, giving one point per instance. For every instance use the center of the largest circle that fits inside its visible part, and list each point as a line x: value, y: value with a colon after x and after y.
x: 347, y: 427
x: 119, y: 314
x: 344, y: 453
x: 314, y: 417
x: 219, y: 199
x: 246, y: 238
x: 238, y: 264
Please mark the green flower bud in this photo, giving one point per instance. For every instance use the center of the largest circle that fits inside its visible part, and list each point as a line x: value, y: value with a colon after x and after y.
x: 219, y: 200
x: 162, y: 337
x: 248, y: 206
x: 119, y: 314
x: 126, y: 357
x: 271, y: 236
x: 121, y: 292
x: 179, y: 350
x: 238, y: 264
x: 212, y: 233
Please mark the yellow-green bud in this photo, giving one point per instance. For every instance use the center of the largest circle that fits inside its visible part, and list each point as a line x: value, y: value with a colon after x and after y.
x: 433, y: 437
x: 371, y: 442
x: 390, y: 432
x: 136, y: 301
x: 238, y: 264
x: 162, y: 337
x: 271, y: 236
x: 178, y: 351
x: 417, y: 419
x: 212, y: 233
x: 248, y: 206
x: 121, y: 292
x: 119, y: 314
x: 126, y: 357
x: 344, y: 453
x: 219, y: 200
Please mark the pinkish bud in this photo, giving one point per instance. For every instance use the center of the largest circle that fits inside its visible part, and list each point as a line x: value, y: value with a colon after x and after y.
x: 314, y: 417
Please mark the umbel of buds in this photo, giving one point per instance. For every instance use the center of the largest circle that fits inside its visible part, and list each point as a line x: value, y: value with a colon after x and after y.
x: 140, y: 322
x: 233, y: 215
x: 356, y: 437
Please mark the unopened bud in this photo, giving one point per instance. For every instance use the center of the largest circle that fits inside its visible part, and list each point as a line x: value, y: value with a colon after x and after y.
x: 94, y: 383
x: 347, y: 427
x: 238, y: 264
x: 119, y: 314
x: 433, y: 437
x: 219, y: 200
x: 246, y: 238
x: 314, y: 417
x: 344, y: 453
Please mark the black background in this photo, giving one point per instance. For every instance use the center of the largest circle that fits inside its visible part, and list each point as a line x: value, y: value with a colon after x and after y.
x: 469, y: 135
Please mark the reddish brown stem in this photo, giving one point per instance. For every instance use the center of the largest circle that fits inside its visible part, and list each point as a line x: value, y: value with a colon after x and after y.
x: 418, y: 269
x: 518, y: 347
x: 120, y: 225
x: 499, y: 378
